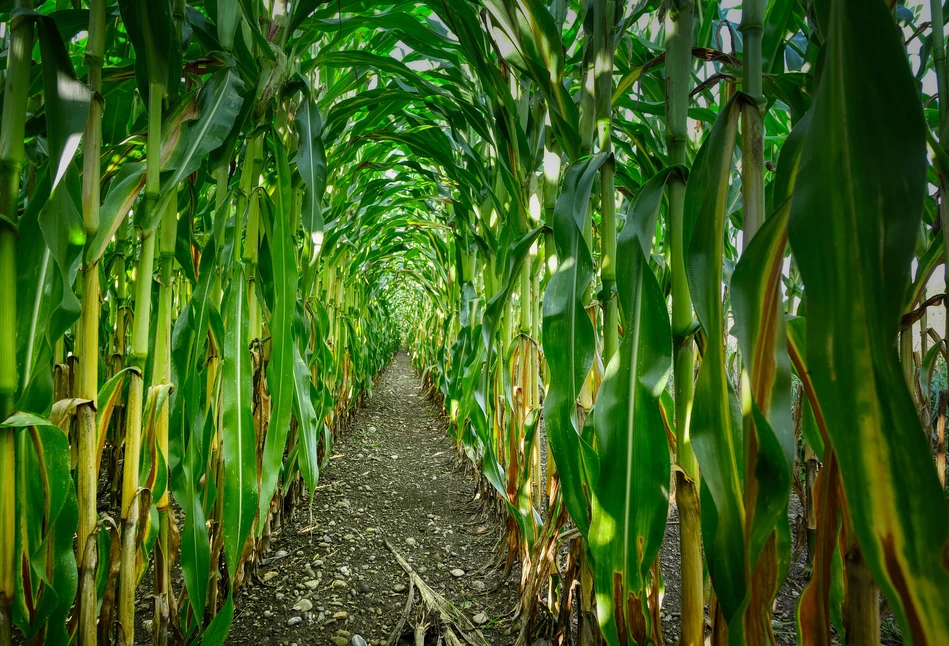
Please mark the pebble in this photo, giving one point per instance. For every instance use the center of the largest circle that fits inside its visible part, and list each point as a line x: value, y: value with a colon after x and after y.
x: 280, y: 554
x: 364, y: 588
x: 357, y: 640
x: 478, y: 585
x: 312, y: 584
x: 339, y: 641
x: 294, y: 621
x: 342, y: 614
x: 303, y: 605
x: 399, y: 587
x: 480, y: 618
x: 410, y: 541
x: 268, y: 614
x: 344, y: 571
x: 457, y: 573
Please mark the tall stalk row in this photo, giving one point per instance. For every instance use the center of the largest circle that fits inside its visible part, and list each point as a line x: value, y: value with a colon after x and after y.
x: 151, y: 413
x: 614, y: 237
x: 714, y: 237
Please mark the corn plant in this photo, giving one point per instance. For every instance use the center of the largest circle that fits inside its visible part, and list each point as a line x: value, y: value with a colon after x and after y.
x: 621, y: 234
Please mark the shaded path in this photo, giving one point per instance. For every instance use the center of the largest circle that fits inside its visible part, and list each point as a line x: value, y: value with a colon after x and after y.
x: 390, y: 476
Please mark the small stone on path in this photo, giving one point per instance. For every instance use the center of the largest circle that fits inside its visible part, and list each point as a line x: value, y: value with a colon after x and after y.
x: 303, y: 605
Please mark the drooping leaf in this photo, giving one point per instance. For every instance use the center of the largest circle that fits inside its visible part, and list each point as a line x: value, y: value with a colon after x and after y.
x: 219, y: 103
x: 239, y: 439
x: 630, y: 501
x: 715, y: 426
x: 566, y: 319
x: 280, y: 367
x: 311, y: 162
x: 853, y: 226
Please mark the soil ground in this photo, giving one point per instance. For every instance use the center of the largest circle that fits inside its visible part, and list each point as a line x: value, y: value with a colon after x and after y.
x: 391, y: 476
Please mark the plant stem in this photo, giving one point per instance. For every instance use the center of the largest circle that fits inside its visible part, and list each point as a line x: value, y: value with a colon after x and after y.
x: 752, y: 122
x: 16, y: 92
x: 678, y: 82
x: 603, y: 27
x: 161, y: 374
x: 131, y: 500
x: 87, y: 473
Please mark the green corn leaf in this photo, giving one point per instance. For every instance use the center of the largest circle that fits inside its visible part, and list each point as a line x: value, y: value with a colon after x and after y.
x: 107, y: 399
x: 566, y: 322
x: 125, y: 189
x: 536, y: 47
x: 302, y: 11
x: 310, y: 425
x: 152, y: 33
x: 239, y: 439
x: 47, y: 520
x: 216, y: 634
x: 219, y: 103
x: 777, y: 20
x: 630, y: 501
x: 769, y: 443
x: 280, y: 368
x: 228, y: 18
x: 853, y: 226
x: 311, y: 162
x: 760, y: 328
x: 195, y: 545
x: 66, y: 99
x: 715, y: 429
x: 40, y: 293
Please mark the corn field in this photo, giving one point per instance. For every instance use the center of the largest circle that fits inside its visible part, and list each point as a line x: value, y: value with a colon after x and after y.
x: 655, y: 260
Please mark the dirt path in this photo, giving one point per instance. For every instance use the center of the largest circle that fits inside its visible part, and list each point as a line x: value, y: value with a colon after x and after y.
x: 390, y: 477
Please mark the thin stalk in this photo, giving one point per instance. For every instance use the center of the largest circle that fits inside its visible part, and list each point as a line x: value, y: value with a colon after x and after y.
x: 131, y: 500
x: 87, y: 475
x: 752, y: 121
x: 761, y: 577
x: 161, y: 374
x: 678, y: 82
x: 604, y: 26
x: 16, y: 93
x: 119, y: 346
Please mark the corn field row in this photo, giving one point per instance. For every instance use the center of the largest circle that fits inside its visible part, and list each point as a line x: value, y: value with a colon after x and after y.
x: 646, y: 254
